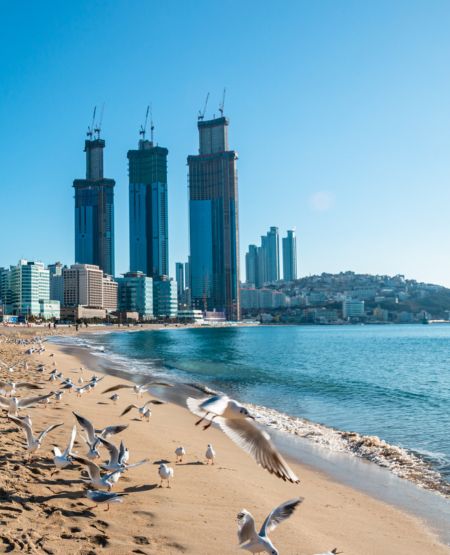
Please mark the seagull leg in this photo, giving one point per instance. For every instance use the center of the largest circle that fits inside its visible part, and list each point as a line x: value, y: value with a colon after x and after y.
x: 210, y: 422
x: 201, y: 419
x: 107, y: 508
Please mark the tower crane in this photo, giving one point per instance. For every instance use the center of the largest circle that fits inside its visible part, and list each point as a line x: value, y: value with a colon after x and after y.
x: 222, y: 104
x: 201, y: 114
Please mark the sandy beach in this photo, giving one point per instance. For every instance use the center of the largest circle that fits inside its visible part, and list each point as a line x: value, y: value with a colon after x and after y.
x: 45, y: 513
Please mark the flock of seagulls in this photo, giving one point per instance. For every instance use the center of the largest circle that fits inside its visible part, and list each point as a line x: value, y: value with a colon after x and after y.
x: 231, y: 417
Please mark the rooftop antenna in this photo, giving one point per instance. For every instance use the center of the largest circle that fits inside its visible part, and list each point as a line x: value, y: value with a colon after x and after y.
x: 99, y: 124
x: 222, y: 104
x: 201, y: 114
x: 90, y: 130
x: 143, y: 128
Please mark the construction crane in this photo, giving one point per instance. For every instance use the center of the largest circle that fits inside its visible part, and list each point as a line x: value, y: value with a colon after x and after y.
x: 98, y: 128
x: 90, y: 130
x: 201, y: 114
x: 222, y: 104
x: 144, y: 127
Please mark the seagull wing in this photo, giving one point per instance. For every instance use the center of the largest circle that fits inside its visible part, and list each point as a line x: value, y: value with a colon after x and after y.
x: 216, y: 405
x: 111, y: 430
x: 154, y: 402
x: 87, y: 426
x: 147, y: 385
x: 69, y: 447
x: 134, y: 465
x: 117, y: 387
x: 27, y: 385
x: 32, y: 400
x: 246, y: 531
x: 92, y: 468
x: 257, y: 443
x: 279, y: 514
x: 24, y: 425
x: 57, y: 451
x: 112, y: 450
x: 47, y: 430
x: 127, y: 410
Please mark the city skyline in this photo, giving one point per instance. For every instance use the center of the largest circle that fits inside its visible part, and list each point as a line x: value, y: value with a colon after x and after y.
x: 359, y: 126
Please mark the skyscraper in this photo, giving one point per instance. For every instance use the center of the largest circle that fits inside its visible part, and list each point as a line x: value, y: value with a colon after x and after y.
x: 149, y: 236
x: 290, y: 256
x: 272, y: 255
x: 213, y: 221
x: 179, y: 276
x: 251, y: 265
x: 94, y: 210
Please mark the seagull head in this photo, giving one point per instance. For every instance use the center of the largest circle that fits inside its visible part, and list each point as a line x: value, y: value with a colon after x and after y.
x: 243, y: 516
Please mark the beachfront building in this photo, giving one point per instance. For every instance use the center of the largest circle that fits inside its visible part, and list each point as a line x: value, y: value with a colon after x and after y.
x: 149, y: 232
x: 27, y: 290
x: 94, y: 211
x: 136, y: 294
x: 165, y: 298
x: 251, y: 266
x: 352, y: 308
x: 213, y: 222
x: 191, y: 315
x: 56, y: 281
x: 86, y: 285
x: 290, y: 256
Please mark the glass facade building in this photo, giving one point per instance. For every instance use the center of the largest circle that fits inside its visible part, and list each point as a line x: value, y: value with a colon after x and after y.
x: 94, y: 212
x: 213, y: 222
x: 149, y: 232
x: 290, y: 256
x: 136, y: 294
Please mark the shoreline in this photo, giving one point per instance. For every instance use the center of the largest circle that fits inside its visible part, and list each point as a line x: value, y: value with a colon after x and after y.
x: 198, y: 514
x: 366, y: 476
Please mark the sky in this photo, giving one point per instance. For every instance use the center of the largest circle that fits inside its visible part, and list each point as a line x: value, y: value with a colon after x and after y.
x: 340, y: 113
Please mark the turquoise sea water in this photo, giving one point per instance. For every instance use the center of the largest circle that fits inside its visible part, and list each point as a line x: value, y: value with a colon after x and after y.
x: 388, y: 381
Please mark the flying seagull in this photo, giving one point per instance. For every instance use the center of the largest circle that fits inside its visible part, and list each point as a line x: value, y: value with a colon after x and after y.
x: 13, y: 404
x: 238, y: 424
x: 95, y: 478
x: 104, y: 497
x: 33, y: 442
x: 144, y: 410
x: 260, y: 542
x: 10, y: 388
x: 62, y: 460
x: 92, y: 434
x: 138, y: 389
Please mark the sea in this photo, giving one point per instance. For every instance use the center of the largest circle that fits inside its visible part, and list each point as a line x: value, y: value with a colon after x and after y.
x: 380, y: 393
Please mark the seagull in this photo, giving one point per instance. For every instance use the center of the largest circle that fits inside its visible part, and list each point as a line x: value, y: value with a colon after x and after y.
x: 58, y: 395
x: 13, y: 404
x: 11, y: 368
x: 260, y: 542
x: 237, y: 423
x: 118, y: 458
x: 180, y: 452
x: 104, y: 497
x: 138, y: 389
x: 62, y: 460
x: 165, y: 473
x: 144, y: 410
x: 33, y: 443
x: 92, y: 434
x: 114, y: 398
x: 11, y: 388
x: 95, y: 478
x: 210, y: 454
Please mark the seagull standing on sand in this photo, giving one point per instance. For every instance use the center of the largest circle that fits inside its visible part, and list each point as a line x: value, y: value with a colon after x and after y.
x: 33, y: 443
x: 180, y: 452
x: 114, y: 398
x: 138, y: 389
x: 260, y: 542
x: 165, y: 473
x: 143, y: 411
x: 238, y: 424
x: 104, y: 497
x: 62, y: 460
x: 210, y: 454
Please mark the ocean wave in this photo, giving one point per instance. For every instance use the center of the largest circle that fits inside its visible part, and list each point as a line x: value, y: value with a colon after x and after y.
x: 400, y: 461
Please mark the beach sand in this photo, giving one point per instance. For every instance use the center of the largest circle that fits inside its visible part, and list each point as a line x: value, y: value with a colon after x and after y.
x: 40, y: 513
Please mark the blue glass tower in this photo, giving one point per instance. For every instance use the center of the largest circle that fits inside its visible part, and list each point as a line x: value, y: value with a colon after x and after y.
x: 149, y: 235
x: 213, y: 222
x: 94, y: 211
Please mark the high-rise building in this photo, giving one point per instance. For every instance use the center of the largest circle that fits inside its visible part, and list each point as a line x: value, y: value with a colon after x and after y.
x: 272, y: 255
x: 136, y: 294
x: 56, y: 281
x: 179, y: 276
x: 29, y: 291
x: 290, y: 256
x: 213, y: 222
x: 165, y: 303
x: 149, y: 234
x: 94, y: 211
x: 251, y: 266
x: 87, y: 285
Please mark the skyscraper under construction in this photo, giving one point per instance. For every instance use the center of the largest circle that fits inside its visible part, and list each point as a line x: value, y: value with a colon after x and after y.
x: 213, y: 221
x: 94, y: 210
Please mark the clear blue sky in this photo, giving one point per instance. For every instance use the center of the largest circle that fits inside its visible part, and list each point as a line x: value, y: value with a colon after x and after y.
x: 340, y: 112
